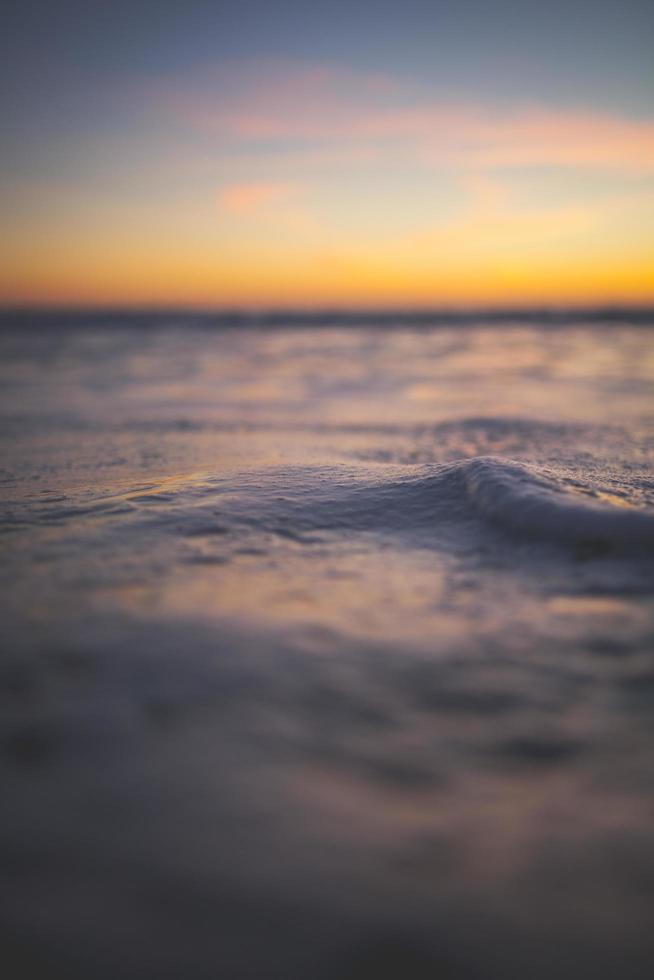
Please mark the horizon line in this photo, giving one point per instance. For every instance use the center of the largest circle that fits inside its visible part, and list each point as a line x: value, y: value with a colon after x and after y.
x: 323, y: 313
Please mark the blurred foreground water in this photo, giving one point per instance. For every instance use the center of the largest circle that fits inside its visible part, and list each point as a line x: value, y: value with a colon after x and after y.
x: 327, y: 652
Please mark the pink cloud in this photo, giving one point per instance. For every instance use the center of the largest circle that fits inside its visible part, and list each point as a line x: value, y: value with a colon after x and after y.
x: 252, y: 198
x: 323, y: 106
x: 540, y: 137
x: 279, y: 203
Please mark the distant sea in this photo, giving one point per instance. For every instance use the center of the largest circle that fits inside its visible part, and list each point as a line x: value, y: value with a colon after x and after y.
x: 327, y: 645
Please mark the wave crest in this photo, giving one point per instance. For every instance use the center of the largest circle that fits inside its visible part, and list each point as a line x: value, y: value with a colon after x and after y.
x: 526, y: 502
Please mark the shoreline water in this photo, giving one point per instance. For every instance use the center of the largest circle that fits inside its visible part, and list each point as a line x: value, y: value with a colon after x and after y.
x: 327, y: 652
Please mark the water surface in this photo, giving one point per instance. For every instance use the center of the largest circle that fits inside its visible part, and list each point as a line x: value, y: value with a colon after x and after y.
x: 327, y: 650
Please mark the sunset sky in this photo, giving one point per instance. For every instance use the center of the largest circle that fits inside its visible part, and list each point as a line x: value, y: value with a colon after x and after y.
x: 266, y: 153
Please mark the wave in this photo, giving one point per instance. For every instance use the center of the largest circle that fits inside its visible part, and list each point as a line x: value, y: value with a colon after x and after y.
x: 516, y: 498
x: 525, y: 501
x: 435, y: 499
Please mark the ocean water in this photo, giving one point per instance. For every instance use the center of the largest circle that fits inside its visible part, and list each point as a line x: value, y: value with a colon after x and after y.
x: 327, y: 649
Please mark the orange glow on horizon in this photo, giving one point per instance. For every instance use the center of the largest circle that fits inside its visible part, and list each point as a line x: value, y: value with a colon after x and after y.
x: 336, y: 280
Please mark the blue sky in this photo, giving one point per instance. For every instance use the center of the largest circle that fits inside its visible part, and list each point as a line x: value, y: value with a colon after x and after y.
x: 597, y: 52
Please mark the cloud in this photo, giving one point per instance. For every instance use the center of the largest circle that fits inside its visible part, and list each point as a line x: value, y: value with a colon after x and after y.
x: 540, y: 137
x: 247, y: 199
x: 277, y: 204
x: 322, y: 107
